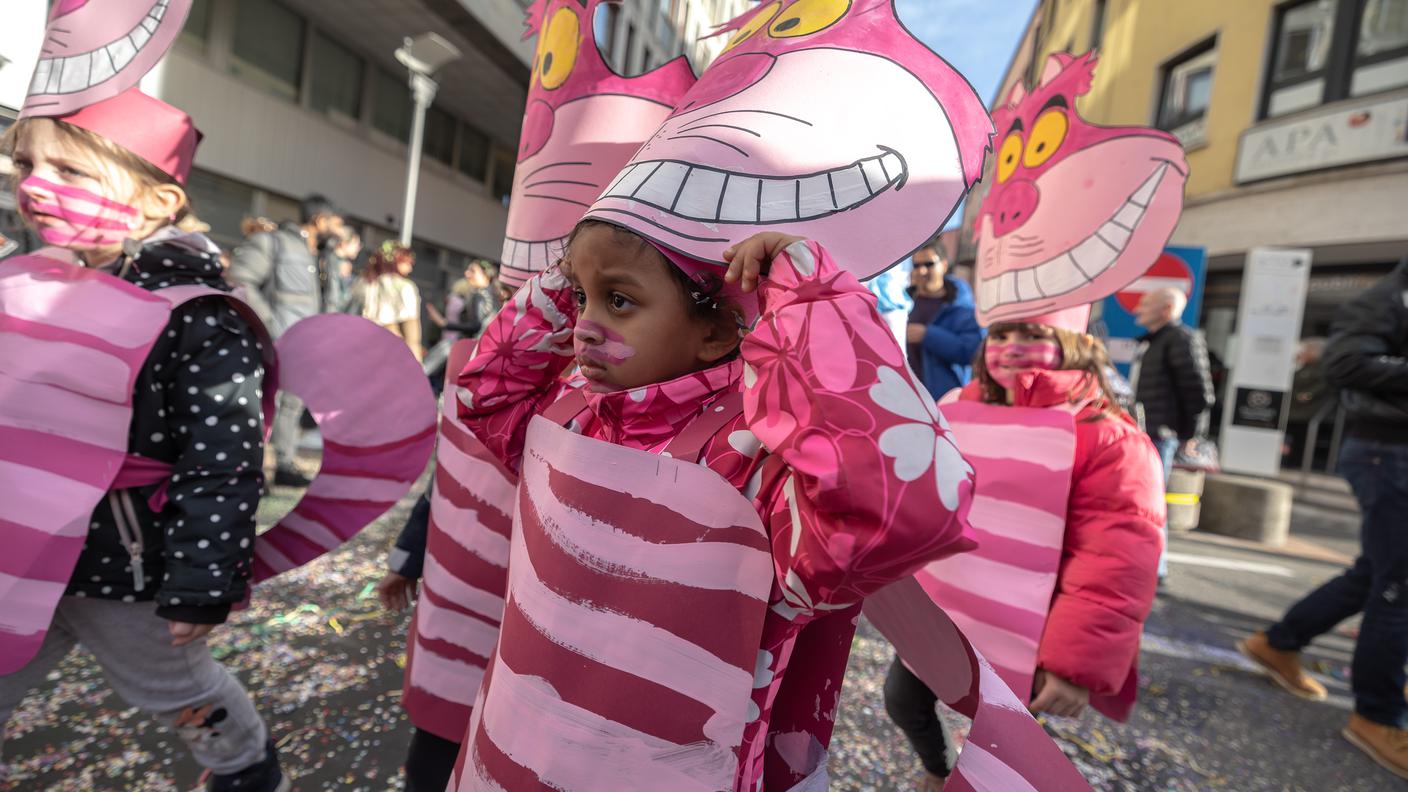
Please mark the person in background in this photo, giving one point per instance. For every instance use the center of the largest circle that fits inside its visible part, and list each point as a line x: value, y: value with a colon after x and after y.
x: 943, y: 334
x: 387, y: 295
x: 1172, y: 380
x: 472, y: 302
x: 1367, y: 357
x: 337, y: 265
x: 892, y: 298
x: 280, y: 272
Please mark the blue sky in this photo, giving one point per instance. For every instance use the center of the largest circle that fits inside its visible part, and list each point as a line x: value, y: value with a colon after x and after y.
x: 976, y: 36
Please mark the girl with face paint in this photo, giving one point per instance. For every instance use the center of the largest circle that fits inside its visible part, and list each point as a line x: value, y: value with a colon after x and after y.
x: 81, y: 192
x: 1108, y: 552
x: 167, y: 546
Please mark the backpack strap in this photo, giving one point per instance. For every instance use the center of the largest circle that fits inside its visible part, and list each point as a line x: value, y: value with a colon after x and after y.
x: 689, y: 444
x: 568, y: 406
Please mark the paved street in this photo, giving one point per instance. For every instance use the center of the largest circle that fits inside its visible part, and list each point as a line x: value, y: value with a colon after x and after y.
x: 324, y: 664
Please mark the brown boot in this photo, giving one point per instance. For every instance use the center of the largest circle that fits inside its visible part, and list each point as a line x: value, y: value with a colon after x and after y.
x: 932, y: 783
x: 1284, y: 668
x: 1384, y: 744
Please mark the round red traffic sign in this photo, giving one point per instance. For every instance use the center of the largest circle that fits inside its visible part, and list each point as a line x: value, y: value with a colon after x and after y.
x: 1169, y: 270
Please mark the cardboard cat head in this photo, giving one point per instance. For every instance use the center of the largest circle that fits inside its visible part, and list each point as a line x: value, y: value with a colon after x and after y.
x: 822, y: 118
x: 582, y: 122
x: 1077, y: 211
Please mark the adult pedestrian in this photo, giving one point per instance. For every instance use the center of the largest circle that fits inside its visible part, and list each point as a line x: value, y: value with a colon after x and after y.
x: 1367, y: 358
x: 280, y: 273
x: 338, y: 261
x: 943, y: 334
x: 1172, y: 380
x: 387, y: 296
x: 472, y: 302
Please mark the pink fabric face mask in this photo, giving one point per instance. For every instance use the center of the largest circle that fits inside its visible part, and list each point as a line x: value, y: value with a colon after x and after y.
x: 1006, y: 360
x: 75, y: 218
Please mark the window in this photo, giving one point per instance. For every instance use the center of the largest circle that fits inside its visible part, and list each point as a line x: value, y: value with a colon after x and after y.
x: 474, y: 153
x: 629, y: 63
x: 1381, y: 52
x: 221, y: 202
x: 604, y: 24
x: 336, y: 83
x: 268, y: 46
x: 1328, y: 50
x: 391, y: 105
x: 439, y: 135
x: 1187, y: 91
x: 503, y: 175
x: 197, y: 28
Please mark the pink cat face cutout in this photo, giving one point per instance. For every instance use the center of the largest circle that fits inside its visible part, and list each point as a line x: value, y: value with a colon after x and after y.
x: 583, y: 121
x: 1077, y: 211
x: 95, y: 49
x: 823, y: 118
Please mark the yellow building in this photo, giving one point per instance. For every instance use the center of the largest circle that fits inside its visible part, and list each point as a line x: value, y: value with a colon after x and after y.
x: 1294, y: 116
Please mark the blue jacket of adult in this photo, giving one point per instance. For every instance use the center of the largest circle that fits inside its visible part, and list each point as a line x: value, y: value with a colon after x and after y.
x: 950, y: 342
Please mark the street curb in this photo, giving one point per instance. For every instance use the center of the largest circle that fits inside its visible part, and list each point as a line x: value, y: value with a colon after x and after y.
x: 1293, y: 548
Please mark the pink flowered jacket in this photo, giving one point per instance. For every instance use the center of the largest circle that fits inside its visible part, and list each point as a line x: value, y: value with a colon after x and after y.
x: 873, y: 486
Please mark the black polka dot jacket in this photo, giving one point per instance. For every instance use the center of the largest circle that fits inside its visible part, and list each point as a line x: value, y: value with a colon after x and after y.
x: 196, y: 407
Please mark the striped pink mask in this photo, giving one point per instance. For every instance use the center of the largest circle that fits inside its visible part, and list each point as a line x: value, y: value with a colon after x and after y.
x: 75, y: 218
x: 1006, y: 360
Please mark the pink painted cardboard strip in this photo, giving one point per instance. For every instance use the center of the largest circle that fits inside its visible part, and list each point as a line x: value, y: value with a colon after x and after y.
x: 94, y: 372
x: 1021, y: 588
x: 957, y: 600
x: 466, y: 632
x: 62, y: 413
x: 1010, y: 739
x: 1015, y: 552
x: 469, y: 533
x: 710, y: 565
x: 464, y: 593
x: 27, y: 612
x: 444, y: 677
x: 526, y: 719
x: 1014, y: 520
x: 75, y: 459
x: 377, y: 416
x: 90, y: 302
x: 33, y: 553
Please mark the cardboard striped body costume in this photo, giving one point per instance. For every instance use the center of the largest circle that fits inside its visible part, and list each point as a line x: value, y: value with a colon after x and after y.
x: 72, y: 341
x: 635, y: 574
x: 583, y: 121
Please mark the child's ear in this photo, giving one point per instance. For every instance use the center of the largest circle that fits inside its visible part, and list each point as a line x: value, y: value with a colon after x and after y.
x: 723, y: 336
x: 162, y: 202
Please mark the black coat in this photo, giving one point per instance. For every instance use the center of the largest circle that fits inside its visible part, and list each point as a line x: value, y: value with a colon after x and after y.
x: 1367, y: 356
x: 195, y: 406
x: 1175, y: 382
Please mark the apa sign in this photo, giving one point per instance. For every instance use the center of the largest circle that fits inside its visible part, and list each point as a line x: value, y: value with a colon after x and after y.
x: 1268, y: 329
x: 1366, y: 132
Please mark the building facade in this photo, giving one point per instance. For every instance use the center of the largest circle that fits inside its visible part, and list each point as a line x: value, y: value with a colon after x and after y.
x: 1293, y: 114
x: 635, y: 36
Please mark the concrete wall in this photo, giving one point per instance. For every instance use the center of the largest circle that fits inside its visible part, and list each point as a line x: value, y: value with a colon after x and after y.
x: 269, y: 142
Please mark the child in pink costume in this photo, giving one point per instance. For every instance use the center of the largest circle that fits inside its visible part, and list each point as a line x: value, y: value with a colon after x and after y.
x: 1106, y: 558
x: 821, y: 380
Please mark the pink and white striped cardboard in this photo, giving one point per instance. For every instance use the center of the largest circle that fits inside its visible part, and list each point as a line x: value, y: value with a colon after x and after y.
x: 1000, y: 594
x: 376, y: 413
x: 625, y: 660
x: 456, y: 624
x: 1007, y: 750
x: 72, y: 342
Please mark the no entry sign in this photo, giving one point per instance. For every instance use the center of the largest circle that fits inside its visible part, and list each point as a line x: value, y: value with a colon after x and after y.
x: 1168, y: 271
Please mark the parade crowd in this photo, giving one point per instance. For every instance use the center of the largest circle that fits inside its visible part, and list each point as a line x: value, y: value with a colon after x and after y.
x: 683, y: 444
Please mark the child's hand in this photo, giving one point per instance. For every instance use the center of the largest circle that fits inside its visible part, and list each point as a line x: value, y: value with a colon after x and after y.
x: 396, y: 592
x: 183, y: 633
x: 750, y: 259
x: 1058, y: 696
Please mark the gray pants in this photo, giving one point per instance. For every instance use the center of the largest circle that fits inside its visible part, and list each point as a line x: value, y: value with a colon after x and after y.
x: 184, y: 688
x: 286, y: 430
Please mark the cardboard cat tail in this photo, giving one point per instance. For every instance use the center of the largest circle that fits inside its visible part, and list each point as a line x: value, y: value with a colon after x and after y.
x: 1007, y: 749
x: 376, y: 413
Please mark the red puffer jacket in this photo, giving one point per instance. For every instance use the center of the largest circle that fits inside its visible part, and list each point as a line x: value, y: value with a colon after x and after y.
x: 1108, y: 575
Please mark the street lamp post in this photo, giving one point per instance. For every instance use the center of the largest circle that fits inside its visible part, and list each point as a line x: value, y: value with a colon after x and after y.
x: 422, y: 56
